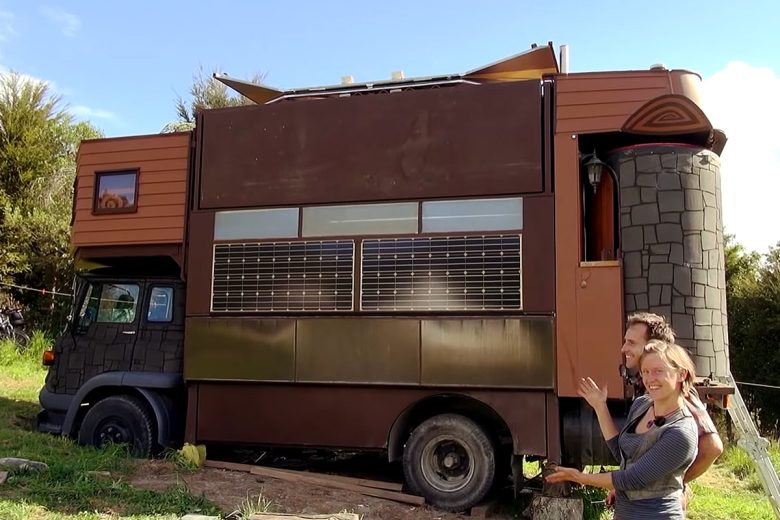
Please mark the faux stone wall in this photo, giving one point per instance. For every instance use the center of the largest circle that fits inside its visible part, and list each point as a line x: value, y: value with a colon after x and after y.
x: 672, y: 243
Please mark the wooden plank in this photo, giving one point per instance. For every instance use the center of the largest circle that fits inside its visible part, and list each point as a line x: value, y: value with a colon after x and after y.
x: 301, y: 516
x: 590, y: 125
x: 105, y: 223
x: 170, y: 210
x: 147, y: 176
x: 157, y: 154
x: 159, y: 165
x: 323, y: 481
x: 599, y: 110
x: 377, y: 484
x: 610, y: 96
x: 141, y: 236
x: 606, y: 82
x: 161, y: 199
x: 144, y: 188
x: 136, y: 142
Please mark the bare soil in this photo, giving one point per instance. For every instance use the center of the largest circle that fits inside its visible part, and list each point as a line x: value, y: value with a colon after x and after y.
x: 228, y: 489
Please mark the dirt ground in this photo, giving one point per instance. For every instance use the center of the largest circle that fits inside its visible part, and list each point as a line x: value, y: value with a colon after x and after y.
x: 228, y: 489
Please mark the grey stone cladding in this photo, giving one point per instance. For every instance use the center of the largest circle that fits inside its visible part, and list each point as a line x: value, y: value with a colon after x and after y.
x: 672, y: 245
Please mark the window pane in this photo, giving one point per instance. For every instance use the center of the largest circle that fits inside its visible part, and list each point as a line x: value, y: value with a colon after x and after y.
x: 117, y: 303
x: 160, y: 305
x: 363, y: 219
x: 258, y: 223
x: 116, y: 191
x: 472, y: 215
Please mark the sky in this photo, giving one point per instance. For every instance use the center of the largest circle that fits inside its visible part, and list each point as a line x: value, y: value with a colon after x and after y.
x: 121, y: 65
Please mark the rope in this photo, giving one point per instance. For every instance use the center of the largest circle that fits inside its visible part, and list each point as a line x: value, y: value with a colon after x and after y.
x: 31, y: 289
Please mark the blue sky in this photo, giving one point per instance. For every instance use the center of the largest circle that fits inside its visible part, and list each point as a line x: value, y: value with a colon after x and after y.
x: 121, y: 64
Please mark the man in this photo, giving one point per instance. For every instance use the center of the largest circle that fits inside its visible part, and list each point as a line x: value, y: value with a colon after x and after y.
x: 641, y: 327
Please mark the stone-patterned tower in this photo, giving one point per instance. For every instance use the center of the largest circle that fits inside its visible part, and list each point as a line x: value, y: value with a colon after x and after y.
x: 672, y: 243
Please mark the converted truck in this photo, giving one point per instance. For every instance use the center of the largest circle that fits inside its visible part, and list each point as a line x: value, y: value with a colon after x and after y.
x: 421, y: 266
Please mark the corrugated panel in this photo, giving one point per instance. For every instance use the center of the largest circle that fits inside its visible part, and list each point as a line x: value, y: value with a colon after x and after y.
x: 283, y: 276
x: 441, y: 273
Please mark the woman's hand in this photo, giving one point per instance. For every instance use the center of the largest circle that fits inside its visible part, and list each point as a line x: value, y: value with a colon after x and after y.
x: 562, y: 474
x: 590, y: 391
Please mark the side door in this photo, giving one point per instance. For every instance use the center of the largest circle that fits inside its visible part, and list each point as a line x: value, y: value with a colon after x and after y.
x: 107, y: 326
x: 159, y: 345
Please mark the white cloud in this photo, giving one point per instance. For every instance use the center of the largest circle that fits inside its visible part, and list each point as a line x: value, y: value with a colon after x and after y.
x: 69, y: 23
x: 84, y: 112
x: 742, y: 100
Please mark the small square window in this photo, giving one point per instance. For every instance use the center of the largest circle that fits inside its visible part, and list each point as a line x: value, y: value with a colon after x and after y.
x: 115, y: 192
x: 160, y: 305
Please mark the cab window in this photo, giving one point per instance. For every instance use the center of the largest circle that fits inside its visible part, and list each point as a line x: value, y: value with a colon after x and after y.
x: 160, y: 305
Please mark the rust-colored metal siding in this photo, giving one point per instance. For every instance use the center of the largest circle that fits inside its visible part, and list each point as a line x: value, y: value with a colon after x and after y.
x: 163, y: 164
x: 603, y: 101
x: 466, y: 141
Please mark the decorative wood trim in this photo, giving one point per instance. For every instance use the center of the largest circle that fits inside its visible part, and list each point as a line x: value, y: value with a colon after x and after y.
x: 670, y: 114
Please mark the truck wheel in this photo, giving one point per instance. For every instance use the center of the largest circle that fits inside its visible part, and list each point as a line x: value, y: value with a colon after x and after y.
x: 450, y: 461
x: 119, y: 419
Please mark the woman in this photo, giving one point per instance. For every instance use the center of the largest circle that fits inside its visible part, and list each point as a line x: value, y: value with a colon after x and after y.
x: 655, y: 446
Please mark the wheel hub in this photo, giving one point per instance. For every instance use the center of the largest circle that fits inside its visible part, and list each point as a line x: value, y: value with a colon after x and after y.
x: 113, y: 432
x: 447, y: 463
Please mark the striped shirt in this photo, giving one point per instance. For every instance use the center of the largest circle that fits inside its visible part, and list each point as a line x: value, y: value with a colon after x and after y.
x: 671, y: 454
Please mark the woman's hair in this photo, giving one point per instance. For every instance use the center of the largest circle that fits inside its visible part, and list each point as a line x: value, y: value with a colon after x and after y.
x: 675, y: 356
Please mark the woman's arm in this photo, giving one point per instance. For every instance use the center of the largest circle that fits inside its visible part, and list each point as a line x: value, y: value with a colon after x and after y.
x: 562, y: 474
x: 597, y: 399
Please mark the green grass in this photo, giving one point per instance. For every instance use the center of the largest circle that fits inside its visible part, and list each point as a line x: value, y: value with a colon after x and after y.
x: 730, y: 490
x: 69, y: 490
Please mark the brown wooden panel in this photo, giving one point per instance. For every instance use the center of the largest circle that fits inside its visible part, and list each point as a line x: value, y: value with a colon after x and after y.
x: 83, y: 215
x: 539, y: 254
x: 574, y: 83
x: 136, y: 142
x: 609, y: 96
x: 591, y: 125
x: 144, y: 188
x: 600, y: 324
x: 115, y: 224
x: 146, y: 166
x: 459, y: 141
x: 567, y: 256
x: 200, y: 257
x: 149, y: 200
x: 598, y: 110
x: 154, y: 154
x: 142, y: 236
x: 147, y: 177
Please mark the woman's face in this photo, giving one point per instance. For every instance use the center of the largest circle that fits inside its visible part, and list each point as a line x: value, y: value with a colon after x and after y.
x: 661, y: 380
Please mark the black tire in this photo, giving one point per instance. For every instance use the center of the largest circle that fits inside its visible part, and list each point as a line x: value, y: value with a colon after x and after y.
x: 119, y: 419
x: 450, y: 461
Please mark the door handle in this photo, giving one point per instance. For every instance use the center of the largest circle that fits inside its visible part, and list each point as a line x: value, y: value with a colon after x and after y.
x: 128, y: 332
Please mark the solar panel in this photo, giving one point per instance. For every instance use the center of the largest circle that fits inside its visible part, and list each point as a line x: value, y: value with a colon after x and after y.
x: 283, y: 276
x: 441, y: 273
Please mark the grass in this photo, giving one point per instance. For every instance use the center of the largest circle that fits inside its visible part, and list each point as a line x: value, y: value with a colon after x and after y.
x: 71, y: 489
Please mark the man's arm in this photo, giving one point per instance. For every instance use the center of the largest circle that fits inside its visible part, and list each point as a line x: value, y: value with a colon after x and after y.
x: 710, y: 448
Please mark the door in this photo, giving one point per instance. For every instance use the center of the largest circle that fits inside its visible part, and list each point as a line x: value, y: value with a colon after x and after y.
x: 107, y: 326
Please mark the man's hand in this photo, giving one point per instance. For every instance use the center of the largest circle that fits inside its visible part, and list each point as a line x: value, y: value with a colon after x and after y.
x: 590, y: 391
x: 610, y: 500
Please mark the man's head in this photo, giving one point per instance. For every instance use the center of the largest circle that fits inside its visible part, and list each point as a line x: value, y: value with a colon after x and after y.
x: 641, y: 327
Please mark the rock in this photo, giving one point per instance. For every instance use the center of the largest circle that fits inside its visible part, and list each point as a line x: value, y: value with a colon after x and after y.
x: 23, y: 464
x: 3, y: 477
x: 199, y: 517
x: 554, y: 508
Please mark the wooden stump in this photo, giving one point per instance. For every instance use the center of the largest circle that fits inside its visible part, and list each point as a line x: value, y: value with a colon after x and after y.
x: 555, y: 508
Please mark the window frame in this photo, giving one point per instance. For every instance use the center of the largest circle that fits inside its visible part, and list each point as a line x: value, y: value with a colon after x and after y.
x: 97, y: 210
x: 150, y: 290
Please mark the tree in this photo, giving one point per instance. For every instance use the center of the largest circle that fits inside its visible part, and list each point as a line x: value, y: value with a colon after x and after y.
x: 38, y: 145
x: 753, y: 299
x: 205, y: 93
